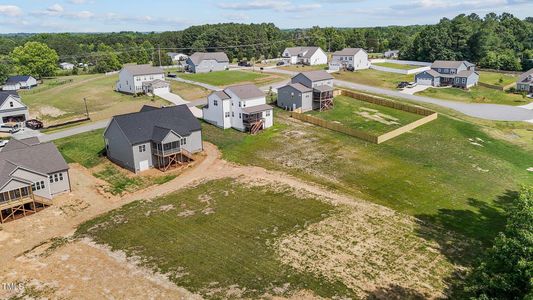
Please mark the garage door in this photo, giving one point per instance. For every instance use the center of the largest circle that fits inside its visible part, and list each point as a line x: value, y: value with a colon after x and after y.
x: 425, y: 81
x: 162, y: 90
x: 143, y: 165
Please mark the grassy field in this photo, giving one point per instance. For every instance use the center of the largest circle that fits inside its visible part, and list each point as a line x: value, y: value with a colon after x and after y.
x: 369, y: 117
x: 498, y: 79
x: 301, y: 68
x: 65, y: 102
x: 188, y: 91
x: 374, y: 78
x: 225, y: 78
x: 438, y: 172
x: 395, y: 66
x: 87, y: 149
x: 477, y: 94
x: 216, y: 239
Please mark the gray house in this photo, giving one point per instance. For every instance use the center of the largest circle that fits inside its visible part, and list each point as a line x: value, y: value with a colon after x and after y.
x: 153, y: 138
x: 460, y: 74
x: 525, y: 82
x: 11, y: 107
x: 307, y: 91
x: 31, y: 175
x: 204, y: 62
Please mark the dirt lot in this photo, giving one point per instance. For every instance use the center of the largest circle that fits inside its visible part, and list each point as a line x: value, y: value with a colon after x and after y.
x: 369, y: 248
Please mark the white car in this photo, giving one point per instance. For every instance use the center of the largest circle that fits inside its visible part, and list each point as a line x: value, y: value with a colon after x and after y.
x: 530, y: 96
x: 9, y: 127
x: 412, y: 84
x: 3, y: 143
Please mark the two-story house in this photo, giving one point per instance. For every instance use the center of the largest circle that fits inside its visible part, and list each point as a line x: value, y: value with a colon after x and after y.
x: 153, y: 138
x: 141, y: 79
x: 307, y: 91
x: 525, y: 82
x: 460, y: 74
x: 349, y: 58
x: 305, y: 55
x: 31, y: 175
x: 242, y: 107
x: 11, y: 108
x: 205, y: 62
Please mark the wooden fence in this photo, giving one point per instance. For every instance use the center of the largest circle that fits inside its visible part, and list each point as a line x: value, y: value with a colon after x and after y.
x: 429, y: 116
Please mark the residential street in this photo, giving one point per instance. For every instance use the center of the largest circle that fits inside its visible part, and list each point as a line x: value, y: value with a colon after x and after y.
x: 495, y: 112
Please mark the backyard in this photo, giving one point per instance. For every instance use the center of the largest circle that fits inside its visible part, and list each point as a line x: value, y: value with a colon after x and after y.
x: 497, y: 79
x: 477, y: 94
x: 374, y: 78
x: 87, y: 149
x: 188, y: 91
x: 63, y: 102
x: 303, y: 68
x: 226, y: 78
x: 365, y: 116
x: 395, y: 66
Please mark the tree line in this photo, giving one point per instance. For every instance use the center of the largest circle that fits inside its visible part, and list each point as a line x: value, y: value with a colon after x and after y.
x: 495, y: 41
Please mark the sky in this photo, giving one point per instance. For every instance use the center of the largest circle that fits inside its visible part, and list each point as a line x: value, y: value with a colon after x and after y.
x: 164, y: 15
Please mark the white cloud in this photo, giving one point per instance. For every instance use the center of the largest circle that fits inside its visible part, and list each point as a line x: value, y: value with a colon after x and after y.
x: 77, y: 1
x: 275, y: 5
x: 10, y: 10
x: 56, y: 8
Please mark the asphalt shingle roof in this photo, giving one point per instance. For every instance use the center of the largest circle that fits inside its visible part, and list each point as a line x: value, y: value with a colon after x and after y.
x: 347, y: 52
x: 142, y: 70
x: 139, y: 127
x: 449, y: 64
x: 18, y: 78
x: 524, y: 76
x: 300, y: 87
x: 198, y: 57
x: 318, y: 75
x: 246, y: 91
x: 5, y: 94
x: 302, y: 51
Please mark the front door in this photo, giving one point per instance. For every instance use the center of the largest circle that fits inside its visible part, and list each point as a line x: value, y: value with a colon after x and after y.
x: 143, y: 165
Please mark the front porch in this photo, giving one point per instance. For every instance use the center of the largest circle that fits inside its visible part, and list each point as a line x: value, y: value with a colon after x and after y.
x: 323, y: 97
x: 21, y: 202
x: 170, y: 155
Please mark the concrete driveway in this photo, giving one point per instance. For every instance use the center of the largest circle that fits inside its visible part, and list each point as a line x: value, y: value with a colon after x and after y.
x: 414, y: 90
x: 177, y: 100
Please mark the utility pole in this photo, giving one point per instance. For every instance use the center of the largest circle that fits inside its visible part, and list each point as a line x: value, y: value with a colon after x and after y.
x: 86, y: 109
x: 159, y: 50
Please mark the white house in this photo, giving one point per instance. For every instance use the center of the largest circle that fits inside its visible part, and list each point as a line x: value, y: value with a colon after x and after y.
x: 11, y: 108
x: 305, y: 55
x: 242, y: 107
x: 392, y: 54
x: 177, y: 57
x: 18, y: 82
x: 66, y: 66
x: 349, y: 58
x: 136, y: 79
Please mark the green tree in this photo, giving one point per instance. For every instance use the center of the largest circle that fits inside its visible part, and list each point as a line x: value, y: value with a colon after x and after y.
x: 506, y: 270
x: 5, y: 69
x: 35, y: 59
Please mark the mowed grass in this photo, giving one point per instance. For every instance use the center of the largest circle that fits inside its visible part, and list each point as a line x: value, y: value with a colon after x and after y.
x: 448, y: 172
x: 217, y: 239
x: 365, y: 116
x: 374, y: 78
x: 224, y: 78
x: 477, y: 94
x: 87, y: 149
x: 65, y: 102
x: 395, y: 66
x: 188, y: 91
x: 303, y: 68
x: 498, y: 79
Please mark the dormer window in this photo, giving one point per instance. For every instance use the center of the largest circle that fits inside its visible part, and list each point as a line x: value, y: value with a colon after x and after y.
x: 11, y: 104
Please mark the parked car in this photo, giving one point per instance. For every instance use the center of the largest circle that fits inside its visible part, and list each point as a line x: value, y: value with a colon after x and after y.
x: 34, y: 124
x: 9, y: 127
x: 280, y: 63
x: 244, y: 63
x: 3, y: 143
x: 172, y: 75
x: 350, y: 68
x: 402, y: 85
x: 412, y: 84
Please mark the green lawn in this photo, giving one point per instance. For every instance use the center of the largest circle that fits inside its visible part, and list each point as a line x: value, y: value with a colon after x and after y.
x: 302, y: 68
x: 395, y: 66
x: 498, y: 79
x: 365, y: 116
x: 88, y: 148
x: 374, y: 78
x: 224, y: 78
x: 477, y: 94
x: 448, y: 172
x: 188, y: 91
x: 218, y: 237
x: 65, y: 102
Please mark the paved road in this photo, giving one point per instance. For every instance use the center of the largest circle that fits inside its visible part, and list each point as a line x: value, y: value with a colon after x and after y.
x: 496, y: 112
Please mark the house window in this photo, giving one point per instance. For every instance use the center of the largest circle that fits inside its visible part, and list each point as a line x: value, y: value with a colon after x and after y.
x: 227, y: 114
x: 184, y: 141
x: 240, y: 116
x: 11, y: 104
x: 351, y: 58
x: 240, y: 104
x: 60, y: 176
x: 215, y: 102
x: 37, y: 186
x: 232, y: 114
x: 268, y: 113
x: 51, y: 178
x: 142, y: 148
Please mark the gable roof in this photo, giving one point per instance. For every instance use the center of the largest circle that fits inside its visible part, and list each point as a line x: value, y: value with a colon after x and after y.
x: 299, y: 87
x: 246, y: 91
x: 142, y: 69
x: 450, y: 64
x: 222, y: 95
x: 139, y: 127
x: 4, y: 95
x: 432, y: 72
x: 347, y: 52
x: 30, y: 154
x: 524, y: 76
x: 318, y: 75
x: 18, y: 78
x: 466, y: 73
x: 198, y: 57
x: 302, y: 51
